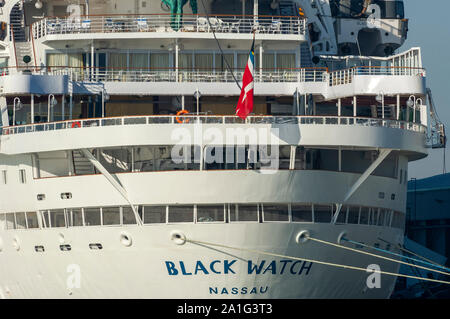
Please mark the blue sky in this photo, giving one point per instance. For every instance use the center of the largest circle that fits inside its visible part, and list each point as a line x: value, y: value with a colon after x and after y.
x: 428, y: 29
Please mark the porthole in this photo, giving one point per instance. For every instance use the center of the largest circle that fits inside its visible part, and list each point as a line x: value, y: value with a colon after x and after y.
x: 96, y: 246
x: 41, y: 197
x: 66, y: 195
x: 39, y: 249
x: 65, y: 247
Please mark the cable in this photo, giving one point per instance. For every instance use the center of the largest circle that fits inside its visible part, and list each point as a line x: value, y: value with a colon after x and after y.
x: 220, y: 47
x: 398, y: 255
x: 377, y: 256
x: 314, y: 261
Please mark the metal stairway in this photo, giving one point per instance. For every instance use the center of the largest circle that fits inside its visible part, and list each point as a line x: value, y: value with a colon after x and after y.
x: 17, y: 23
x: 81, y: 164
x: 387, y: 112
x: 19, y: 35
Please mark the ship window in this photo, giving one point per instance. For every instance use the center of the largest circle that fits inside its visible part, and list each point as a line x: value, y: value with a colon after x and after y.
x: 32, y: 220
x: 21, y: 222
x: 364, y: 216
x: 275, y: 213
x: 210, y: 213
x: 5, y: 177
x: 181, y: 214
x: 244, y: 213
x: 342, y: 218
x: 22, y: 176
x: 2, y: 221
x: 301, y: 213
x: 39, y: 249
x: 353, y: 215
x: 128, y: 217
x: 373, y: 216
x: 92, y: 216
x: 111, y: 216
x: 41, y: 197
x: 322, y: 213
x: 75, y: 217
x: 10, y: 221
x: 45, y: 219
x: 57, y: 218
x: 66, y: 195
x: 381, y: 217
x: 155, y: 214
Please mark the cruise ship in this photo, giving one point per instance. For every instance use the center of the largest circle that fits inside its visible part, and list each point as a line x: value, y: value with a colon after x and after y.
x: 125, y: 172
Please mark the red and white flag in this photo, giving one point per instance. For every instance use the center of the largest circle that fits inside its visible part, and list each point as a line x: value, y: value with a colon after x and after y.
x: 245, y: 103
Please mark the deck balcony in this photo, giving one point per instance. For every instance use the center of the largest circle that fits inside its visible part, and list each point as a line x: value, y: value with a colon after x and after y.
x: 166, y: 26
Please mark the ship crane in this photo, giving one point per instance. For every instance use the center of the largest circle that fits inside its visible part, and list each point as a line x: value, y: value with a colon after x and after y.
x: 354, y: 27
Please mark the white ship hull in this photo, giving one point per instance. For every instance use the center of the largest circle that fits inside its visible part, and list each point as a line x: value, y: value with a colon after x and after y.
x: 141, y: 271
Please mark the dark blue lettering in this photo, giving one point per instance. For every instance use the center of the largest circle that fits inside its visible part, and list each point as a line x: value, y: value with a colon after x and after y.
x: 171, y: 268
x: 255, y: 268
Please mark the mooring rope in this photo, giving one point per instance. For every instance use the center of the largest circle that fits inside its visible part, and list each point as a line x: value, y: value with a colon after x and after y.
x: 395, y: 254
x: 375, y: 255
x: 204, y: 243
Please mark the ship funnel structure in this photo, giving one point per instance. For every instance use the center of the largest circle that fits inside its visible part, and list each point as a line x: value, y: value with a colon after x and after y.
x: 355, y: 27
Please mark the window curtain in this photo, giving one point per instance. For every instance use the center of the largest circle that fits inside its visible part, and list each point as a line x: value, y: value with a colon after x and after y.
x: 75, y: 61
x: 204, y: 61
x: 159, y: 60
x: 56, y: 59
x: 285, y: 61
x: 118, y: 60
x: 139, y: 61
x: 242, y: 59
x: 268, y: 61
x: 185, y: 61
x: 221, y: 65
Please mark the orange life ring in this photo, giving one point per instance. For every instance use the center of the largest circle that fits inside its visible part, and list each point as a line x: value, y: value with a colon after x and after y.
x: 76, y: 124
x: 182, y: 112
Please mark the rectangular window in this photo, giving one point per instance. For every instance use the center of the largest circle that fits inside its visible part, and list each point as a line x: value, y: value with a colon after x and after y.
x: 301, y: 213
x: 92, y: 216
x: 57, y: 218
x: 342, y: 218
x: 364, y: 216
x: 2, y: 221
x: 210, y: 213
x: 22, y: 176
x: 373, y: 216
x: 181, y: 214
x: 10, y: 221
x: 322, y: 213
x: 353, y: 215
x: 75, y: 217
x: 21, y: 221
x: 381, y: 217
x: 244, y: 213
x: 45, y: 219
x: 276, y: 213
x: 155, y: 214
x: 111, y: 216
x: 4, y: 177
x: 32, y: 220
x: 128, y: 217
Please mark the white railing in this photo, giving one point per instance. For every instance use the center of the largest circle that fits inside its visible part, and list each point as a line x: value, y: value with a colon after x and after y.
x: 168, y: 23
x: 346, y: 76
x: 175, y: 75
x: 212, y: 119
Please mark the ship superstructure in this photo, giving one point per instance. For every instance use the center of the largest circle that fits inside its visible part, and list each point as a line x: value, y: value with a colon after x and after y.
x: 120, y: 146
